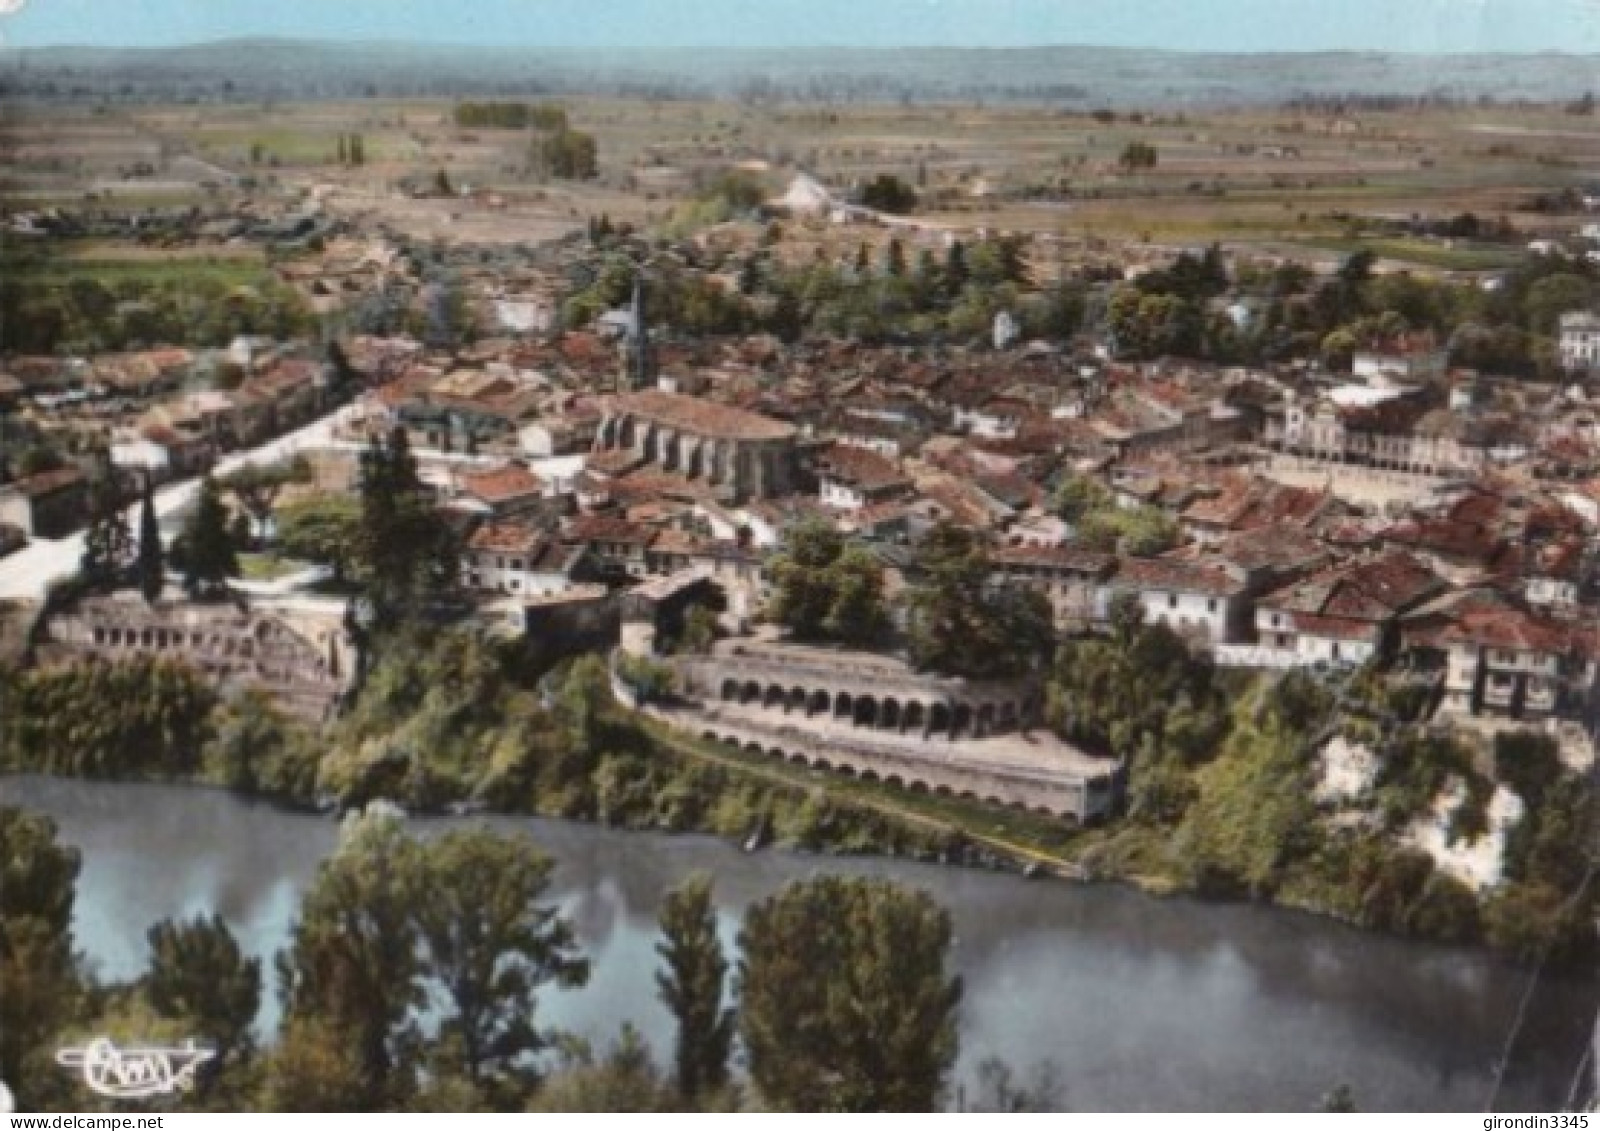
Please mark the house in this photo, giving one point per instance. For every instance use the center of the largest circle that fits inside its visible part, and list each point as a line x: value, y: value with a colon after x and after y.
x: 1502, y: 659
x: 51, y: 504
x: 1579, y: 345
x: 615, y: 545
x: 512, y: 557
x: 501, y: 492
x: 1071, y: 578
x: 1349, y: 614
x: 1198, y: 600
x: 852, y: 478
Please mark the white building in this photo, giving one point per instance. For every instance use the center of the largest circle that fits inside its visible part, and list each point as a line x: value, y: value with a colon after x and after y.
x: 1580, y: 340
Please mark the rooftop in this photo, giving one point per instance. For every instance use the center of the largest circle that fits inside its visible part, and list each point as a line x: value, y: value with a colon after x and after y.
x: 702, y: 417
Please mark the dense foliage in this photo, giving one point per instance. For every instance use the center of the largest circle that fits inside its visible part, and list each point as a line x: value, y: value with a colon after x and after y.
x: 825, y: 588
x: 844, y: 1001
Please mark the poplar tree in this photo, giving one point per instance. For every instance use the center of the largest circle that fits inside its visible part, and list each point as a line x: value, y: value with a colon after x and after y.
x: 692, y: 987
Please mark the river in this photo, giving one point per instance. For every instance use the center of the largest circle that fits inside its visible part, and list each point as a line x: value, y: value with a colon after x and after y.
x: 1142, y: 1003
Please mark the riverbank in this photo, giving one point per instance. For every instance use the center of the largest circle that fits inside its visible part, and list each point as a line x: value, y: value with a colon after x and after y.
x: 1245, y: 1007
x: 446, y: 724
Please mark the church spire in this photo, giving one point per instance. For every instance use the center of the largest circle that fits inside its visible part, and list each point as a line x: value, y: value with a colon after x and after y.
x: 639, y: 333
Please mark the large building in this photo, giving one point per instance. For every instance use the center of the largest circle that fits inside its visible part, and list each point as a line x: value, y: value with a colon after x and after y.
x: 739, y: 455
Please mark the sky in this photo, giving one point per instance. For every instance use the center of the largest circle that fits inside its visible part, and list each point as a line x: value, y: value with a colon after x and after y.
x: 1203, y: 25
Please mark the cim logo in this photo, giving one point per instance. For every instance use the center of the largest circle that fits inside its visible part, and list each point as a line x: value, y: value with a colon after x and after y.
x: 135, y: 1073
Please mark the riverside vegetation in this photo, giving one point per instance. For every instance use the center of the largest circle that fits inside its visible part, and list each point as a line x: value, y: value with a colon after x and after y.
x: 412, y: 976
x: 1220, y: 792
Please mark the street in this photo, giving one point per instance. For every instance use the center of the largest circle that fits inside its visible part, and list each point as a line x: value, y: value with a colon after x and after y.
x: 28, y: 573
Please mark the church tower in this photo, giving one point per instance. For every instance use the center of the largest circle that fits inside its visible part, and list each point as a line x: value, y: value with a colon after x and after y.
x: 638, y: 365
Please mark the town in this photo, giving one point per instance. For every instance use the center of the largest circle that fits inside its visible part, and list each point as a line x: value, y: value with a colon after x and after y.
x: 846, y: 498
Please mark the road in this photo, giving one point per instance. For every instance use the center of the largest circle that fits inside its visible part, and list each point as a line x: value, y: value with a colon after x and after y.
x: 26, y: 574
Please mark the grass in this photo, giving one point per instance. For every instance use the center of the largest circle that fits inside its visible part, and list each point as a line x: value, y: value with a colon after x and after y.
x: 180, y: 269
x: 267, y: 567
x: 1426, y: 253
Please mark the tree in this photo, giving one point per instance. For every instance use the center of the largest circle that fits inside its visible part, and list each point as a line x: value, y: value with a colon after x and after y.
x: 845, y: 1003
x: 198, y: 973
x: 405, y: 550
x: 960, y: 624
x: 39, y: 984
x: 826, y: 589
x: 151, y: 565
x: 691, y: 987
x: 257, y: 487
x: 208, y: 552
x: 1138, y: 155
x: 894, y: 258
x: 490, y: 945
x: 626, y: 1079
x: 999, y: 1089
x: 888, y: 193
x: 107, y: 545
x: 1079, y: 496
x: 353, y: 970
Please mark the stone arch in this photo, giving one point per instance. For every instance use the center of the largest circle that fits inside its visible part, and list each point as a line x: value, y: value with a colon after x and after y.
x: 939, y: 718
x: 943, y: 791
x: 967, y: 795
x: 693, y: 465
x: 889, y: 714
x: 918, y: 786
x: 730, y: 690
x: 799, y: 759
x: 753, y: 747
x: 822, y: 764
x: 709, y: 735
x: 818, y: 703
x: 961, y: 719
x: 775, y: 752
x: 774, y: 696
x: 995, y: 801
x: 866, y: 711
x: 751, y: 692
x: 652, y: 445
x: 843, y: 706
x: 628, y: 434
x: 796, y: 700
x: 1008, y: 715
x: 869, y: 775
x: 913, y: 717
x: 846, y: 769
x: 984, y: 723
x: 895, y: 780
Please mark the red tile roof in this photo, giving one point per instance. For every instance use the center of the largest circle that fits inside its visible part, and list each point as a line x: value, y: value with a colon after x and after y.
x: 501, y: 484
x: 702, y: 417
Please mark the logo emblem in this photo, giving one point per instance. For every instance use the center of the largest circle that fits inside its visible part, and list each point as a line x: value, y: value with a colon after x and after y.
x: 135, y: 1073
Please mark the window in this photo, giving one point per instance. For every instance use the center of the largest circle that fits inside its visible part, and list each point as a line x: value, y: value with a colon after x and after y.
x: 1172, y: 600
x: 1335, y: 652
x: 1211, y: 605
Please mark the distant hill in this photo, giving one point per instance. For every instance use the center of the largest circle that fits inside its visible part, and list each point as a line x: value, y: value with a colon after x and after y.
x: 1083, y: 77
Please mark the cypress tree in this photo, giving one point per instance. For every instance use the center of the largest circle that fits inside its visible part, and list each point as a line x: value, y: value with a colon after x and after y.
x: 208, y: 559
x: 151, y: 561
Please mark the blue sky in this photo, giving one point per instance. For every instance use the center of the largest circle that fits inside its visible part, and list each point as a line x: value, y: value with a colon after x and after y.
x: 1240, y: 25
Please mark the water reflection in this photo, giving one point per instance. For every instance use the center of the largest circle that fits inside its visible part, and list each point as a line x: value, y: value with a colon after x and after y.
x: 1152, y: 1004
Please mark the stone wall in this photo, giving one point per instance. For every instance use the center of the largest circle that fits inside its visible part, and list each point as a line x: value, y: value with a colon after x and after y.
x: 236, y: 647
